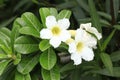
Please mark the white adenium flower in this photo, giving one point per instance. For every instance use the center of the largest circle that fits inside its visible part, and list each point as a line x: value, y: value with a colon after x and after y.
x: 56, y: 31
x: 90, y: 29
x: 81, y: 48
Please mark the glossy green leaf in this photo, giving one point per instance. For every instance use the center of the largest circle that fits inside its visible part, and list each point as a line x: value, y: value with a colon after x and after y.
x: 53, y: 12
x: 44, y: 12
x: 6, y: 31
x: 44, y: 45
x: 105, y: 43
x: 3, y: 65
x: 115, y: 56
x: 94, y: 16
x: 52, y: 74
x: 15, y: 31
x: 19, y: 76
x: 20, y: 22
x: 17, y: 59
x: 64, y: 14
x: 29, y: 31
x: 5, y: 46
x: 5, y: 34
x: 27, y: 64
x: 107, y: 62
x: 2, y: 56
x: 48, y: 59
x: 25, y: 45
x: 32, y: 21
x: 8, y: 73
x: 116, y: 72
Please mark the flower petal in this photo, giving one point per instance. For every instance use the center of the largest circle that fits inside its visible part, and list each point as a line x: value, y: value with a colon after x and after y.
x: 45, y: 34
x: 85, y: 26
x: 64, y: 23
x: 55, y: 42
x: 94, y: 31
x: 90, y: 29
x: 51, y: 21
x: 65, y: 35
x: 72, y: 47
x: 87, y: 54
x: 76, y: 58
x: 92, y: 42
x: 79, y: 34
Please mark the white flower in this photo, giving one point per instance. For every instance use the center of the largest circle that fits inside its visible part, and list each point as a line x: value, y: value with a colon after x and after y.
x: 80, y: 47
x: 90, y: 29
x: 56, y: 31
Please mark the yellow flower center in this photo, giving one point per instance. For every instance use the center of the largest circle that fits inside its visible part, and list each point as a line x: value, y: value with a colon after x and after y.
x: 56, y: 30
x: 79, y: 46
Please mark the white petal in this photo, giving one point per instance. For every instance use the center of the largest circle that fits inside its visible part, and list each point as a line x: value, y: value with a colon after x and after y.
x: 64, y: 23
x: 94, y: 31
x: 79, y: 34
x: 85, y: 26
x: 45, y: 34
x: 65, y: 35
x: 55, y: 42
x: 90, y: 40
x: 72, y: 47
x: 76, y: 58
x: 51, y: 21
x: 87, y: 54
x: 90, y: 29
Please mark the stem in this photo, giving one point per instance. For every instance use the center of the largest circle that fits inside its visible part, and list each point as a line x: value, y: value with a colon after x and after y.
x: 112, y: 12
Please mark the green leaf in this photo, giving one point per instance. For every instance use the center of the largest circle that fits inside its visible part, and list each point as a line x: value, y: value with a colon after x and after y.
x: 105, y: 15
x: 6, y: 31
x: 5, y: 46
x: 5, y: 34
x: 48, y: 59
x: 29, y: 31
x: 105, y: 43
x: 64, y: 14
x: 3, y: 65
x: 17, y: 59
x: 53, y: 12
x: 44, y: 45
x: 107, y: 62
x: 25, y: 45
x: 15, y: 32
x: 116, y: 72
x: 2, y: 56
x: 19, y: 76
x: 116, y: 5
x: 117, y: 27
x: 44, y: 12
x: 20, y: 22
x: 27, y: 64
x: 69, y: 4
x: 32, y: 21
x: 52, y: 74
x: 67, y: 67
x: 115, y: 56
x: 83, y: 5
x: 94, y: 16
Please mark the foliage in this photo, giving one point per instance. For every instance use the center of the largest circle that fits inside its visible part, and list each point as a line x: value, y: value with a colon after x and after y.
x: 25, y: 56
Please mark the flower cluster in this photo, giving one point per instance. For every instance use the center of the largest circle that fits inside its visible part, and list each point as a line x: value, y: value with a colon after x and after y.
x: 81, y: 42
